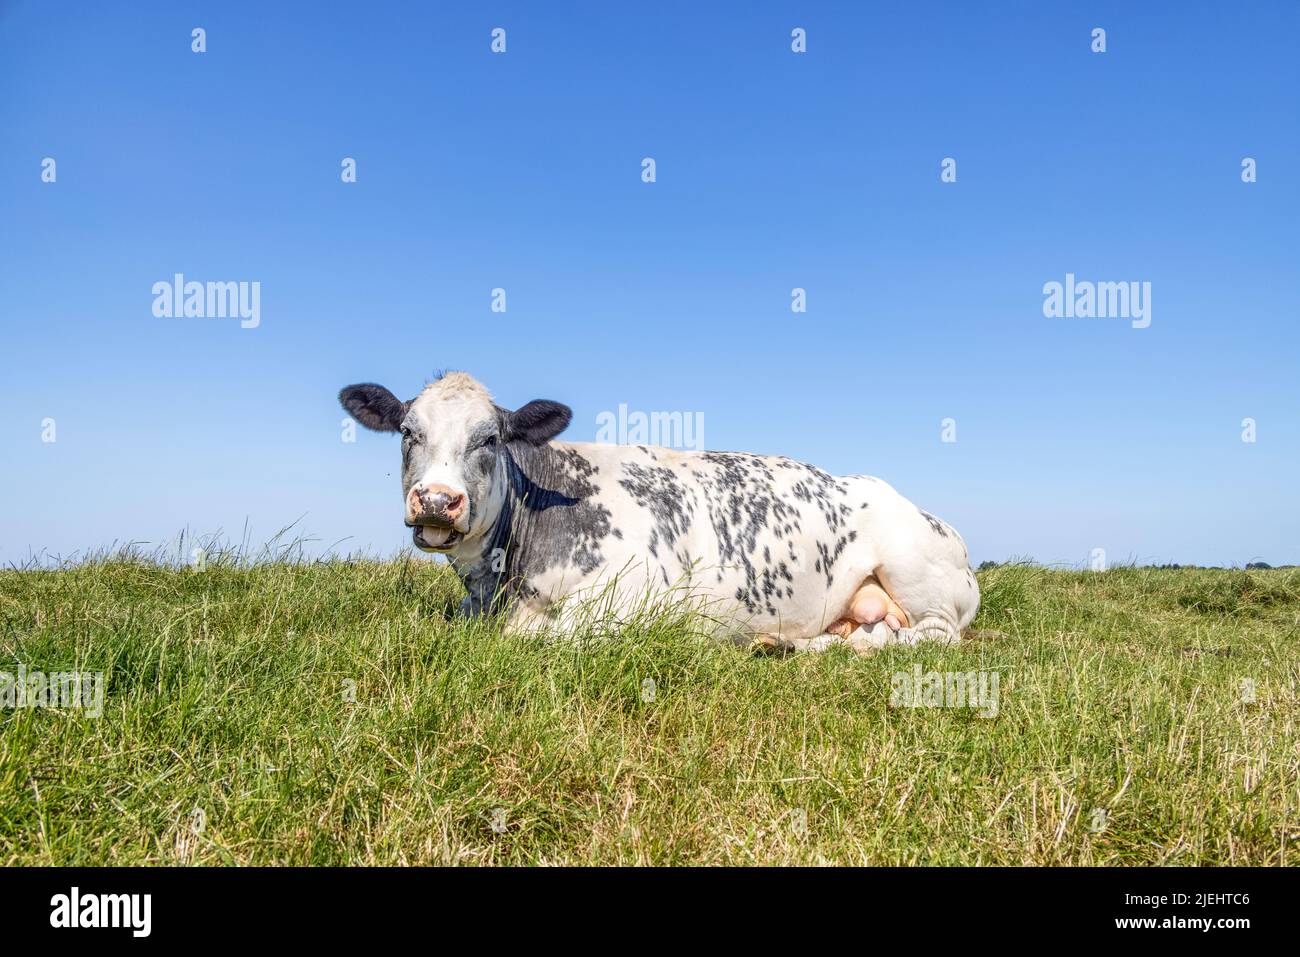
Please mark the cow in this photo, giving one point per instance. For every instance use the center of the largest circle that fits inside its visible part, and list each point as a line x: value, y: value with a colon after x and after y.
x: 786, y: 556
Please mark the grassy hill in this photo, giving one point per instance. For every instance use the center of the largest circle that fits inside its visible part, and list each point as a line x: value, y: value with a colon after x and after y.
x: 337, y: 713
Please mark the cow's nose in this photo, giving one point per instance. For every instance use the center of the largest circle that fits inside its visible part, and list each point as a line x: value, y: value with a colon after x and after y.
x: 454, y: 506
x: 439, y: 501
x: 436, y: 500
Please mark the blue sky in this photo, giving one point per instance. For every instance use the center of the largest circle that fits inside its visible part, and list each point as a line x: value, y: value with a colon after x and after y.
x: 775, y: 170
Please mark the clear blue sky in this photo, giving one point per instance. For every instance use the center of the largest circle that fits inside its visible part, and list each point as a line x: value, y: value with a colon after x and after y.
x: 775, y: 170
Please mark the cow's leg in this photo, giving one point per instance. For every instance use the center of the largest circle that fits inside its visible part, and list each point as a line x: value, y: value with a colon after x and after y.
x: 524, y: 620
x: 821, y: 642
x: 877, y: 620
x: 864, y: 641
x: 873, y: 620
x: 941, y: 601
x: 766, y: 644
x: 869, y: 638
x: 923, y: 566
x: 930, y: 628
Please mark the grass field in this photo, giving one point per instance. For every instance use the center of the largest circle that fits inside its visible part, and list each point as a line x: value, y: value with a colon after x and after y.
x: 335, y: 713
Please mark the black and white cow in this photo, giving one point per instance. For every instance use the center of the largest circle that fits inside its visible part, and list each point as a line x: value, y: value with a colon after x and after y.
x: 787, y: 554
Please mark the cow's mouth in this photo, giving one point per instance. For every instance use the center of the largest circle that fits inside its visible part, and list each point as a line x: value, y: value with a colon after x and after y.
x: 434, y: 538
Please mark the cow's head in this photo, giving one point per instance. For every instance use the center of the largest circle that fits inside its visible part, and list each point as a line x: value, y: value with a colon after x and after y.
x: 454, y: 439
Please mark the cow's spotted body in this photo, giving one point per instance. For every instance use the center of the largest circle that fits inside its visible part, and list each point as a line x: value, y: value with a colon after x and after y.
x: 774, y: 548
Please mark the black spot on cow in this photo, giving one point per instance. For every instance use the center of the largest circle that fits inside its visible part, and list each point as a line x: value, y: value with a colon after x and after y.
x: 659, y: 491
x: 749, y: 507
x: 549, y: 518
x: 741, y: 502
x: 936, y: 526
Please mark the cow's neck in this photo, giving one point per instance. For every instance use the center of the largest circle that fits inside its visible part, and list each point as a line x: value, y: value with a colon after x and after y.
x: 496, y: 571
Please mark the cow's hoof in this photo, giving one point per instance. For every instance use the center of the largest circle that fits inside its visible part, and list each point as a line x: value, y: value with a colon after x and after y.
x: 768, y: 645
x: 871, y: 638
x: 929, y: 630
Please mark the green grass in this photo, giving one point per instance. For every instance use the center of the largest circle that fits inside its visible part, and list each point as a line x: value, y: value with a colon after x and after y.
x: 227, y: 692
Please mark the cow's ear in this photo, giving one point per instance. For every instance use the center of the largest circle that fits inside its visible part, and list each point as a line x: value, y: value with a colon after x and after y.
x: 539, y: 421
x: 373, y: 406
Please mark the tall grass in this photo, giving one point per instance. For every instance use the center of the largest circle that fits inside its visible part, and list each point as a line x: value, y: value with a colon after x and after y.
x: 284, y: 711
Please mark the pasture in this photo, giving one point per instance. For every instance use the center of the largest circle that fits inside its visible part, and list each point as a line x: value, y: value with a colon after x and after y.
x: 337, y: 713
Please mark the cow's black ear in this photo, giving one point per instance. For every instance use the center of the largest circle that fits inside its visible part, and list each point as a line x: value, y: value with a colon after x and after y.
x: 373, y: 406
x: 539, y: 421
